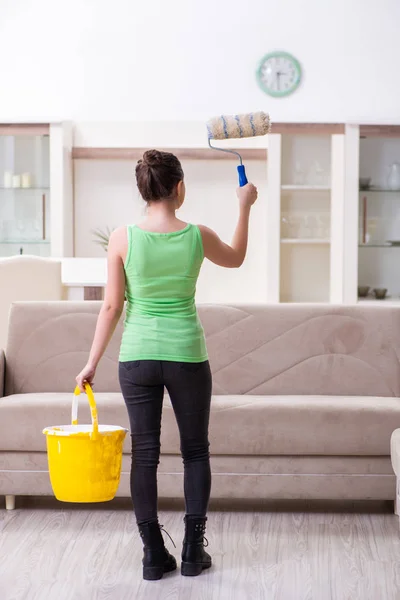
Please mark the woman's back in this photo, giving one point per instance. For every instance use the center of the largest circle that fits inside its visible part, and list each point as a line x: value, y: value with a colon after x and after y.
x: 161, y: 271
x: 162, y: 268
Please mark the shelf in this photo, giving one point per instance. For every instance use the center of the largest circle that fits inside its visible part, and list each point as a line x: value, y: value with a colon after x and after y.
x: 23, y: 189
x: 379, y: 191
x: 382, y: 131
x: 181, y: 153
x: 24, y: 129
x: 379, y: 245
x: 311, y: 241
x: 24, y: 242
x: 372, y: 300
x: 306, y: 188
x: 308, y: 128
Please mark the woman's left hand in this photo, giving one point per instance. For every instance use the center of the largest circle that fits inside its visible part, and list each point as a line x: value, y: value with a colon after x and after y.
x: 86, y: 376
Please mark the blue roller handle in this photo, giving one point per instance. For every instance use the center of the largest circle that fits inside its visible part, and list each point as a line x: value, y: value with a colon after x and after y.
x: 242, y: 175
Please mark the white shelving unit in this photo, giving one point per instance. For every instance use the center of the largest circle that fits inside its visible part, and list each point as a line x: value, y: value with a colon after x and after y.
x: 379, y: 211
x: 38, y: 218
x: 310, y: 184
x: 308, y: 224
x: 306, y: 188
x: 305, y: 241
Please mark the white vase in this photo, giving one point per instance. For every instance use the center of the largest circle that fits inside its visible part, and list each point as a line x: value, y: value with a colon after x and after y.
x: 393, y: 181
x: 16, y: 181
x: 8, y: 179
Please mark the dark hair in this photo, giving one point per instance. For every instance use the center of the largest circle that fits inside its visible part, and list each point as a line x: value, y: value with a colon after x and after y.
x: 158, y: 174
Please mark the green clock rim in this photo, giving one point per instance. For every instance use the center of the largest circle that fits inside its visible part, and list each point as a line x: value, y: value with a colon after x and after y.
x: 278, y: 54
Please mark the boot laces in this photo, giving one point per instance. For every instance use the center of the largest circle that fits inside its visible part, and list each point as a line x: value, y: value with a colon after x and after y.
x: 201, y: 528
x: 165, y: 531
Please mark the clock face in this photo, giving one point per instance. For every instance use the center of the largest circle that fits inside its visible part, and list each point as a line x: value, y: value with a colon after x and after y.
x: 279, y: 74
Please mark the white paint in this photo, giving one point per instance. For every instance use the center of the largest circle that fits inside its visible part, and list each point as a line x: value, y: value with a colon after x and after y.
x: 125, y: 60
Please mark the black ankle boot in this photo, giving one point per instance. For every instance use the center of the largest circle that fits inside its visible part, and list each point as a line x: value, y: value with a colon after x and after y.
x: 156, y: 558
x: 194, y: 557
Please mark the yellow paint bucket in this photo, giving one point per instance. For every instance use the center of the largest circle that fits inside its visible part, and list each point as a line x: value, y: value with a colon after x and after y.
x: 84, y: 460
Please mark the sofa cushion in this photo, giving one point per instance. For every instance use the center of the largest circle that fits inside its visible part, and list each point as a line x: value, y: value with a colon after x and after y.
x: 2, y: 371
x: 395, y: 451
x: 243, y: 425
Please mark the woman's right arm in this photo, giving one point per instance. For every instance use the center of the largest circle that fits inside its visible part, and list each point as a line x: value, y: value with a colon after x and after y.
x: 215, y: 249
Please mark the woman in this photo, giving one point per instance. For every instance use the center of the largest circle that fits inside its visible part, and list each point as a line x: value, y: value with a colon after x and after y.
x: 156, y: 265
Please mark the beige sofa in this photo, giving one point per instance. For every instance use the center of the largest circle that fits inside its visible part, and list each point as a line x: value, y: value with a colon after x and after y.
x: 305, y: 398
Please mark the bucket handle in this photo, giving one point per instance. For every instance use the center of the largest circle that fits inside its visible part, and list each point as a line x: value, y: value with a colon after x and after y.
x: 93, y: 410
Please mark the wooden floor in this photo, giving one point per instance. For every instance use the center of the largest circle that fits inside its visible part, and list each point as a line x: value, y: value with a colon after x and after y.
x: 50, y: 551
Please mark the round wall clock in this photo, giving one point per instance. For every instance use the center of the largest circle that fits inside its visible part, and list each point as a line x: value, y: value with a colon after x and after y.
x: 279, y: 74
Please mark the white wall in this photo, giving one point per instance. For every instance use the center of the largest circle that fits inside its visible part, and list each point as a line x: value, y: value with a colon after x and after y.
x: 105, y: 195
x: 188, y: 59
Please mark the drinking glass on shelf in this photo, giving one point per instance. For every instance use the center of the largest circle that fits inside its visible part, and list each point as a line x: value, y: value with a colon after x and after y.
x: 325, y: 226
x: 5, y: 230
x: 285, y: 225
x: 310, y: 226
x: 21, y: 227
x: 294, y: 222
x: 319, y: 230
x: 299, y: 177
x: 36, y: 226
x: 317, y: 174
x: 371, y: 235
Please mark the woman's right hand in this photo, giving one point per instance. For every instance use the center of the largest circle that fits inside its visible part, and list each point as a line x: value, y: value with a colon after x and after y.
x: 86, y: 376
x: 247, y: 195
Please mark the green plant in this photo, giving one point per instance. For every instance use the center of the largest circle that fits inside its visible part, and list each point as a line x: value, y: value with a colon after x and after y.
x: 102, y: 237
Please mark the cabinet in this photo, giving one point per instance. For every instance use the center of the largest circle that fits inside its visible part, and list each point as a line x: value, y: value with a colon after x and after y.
x: 36, y: 205
x: 308, y: 185
x: 379, y: 212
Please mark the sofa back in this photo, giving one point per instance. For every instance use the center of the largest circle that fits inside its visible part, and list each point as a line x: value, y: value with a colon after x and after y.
x: 282, y: 349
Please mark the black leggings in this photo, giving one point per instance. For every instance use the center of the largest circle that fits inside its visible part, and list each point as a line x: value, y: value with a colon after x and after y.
x: 189, y: 387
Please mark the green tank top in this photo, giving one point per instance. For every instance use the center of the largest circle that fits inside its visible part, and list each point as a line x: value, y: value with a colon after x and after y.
x: 161, y: 271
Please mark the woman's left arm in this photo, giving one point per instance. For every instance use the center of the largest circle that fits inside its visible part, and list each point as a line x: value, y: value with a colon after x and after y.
x: 112, y: 308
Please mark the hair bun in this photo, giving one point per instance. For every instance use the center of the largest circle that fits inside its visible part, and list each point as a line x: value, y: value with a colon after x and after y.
x: 153, y: 158
x: 157, y: 175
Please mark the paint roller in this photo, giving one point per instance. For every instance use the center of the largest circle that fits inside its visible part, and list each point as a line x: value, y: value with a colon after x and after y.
x: 237, y: 126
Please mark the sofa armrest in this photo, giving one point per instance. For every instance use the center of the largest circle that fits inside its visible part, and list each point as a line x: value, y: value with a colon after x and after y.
x: 2, y: 372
